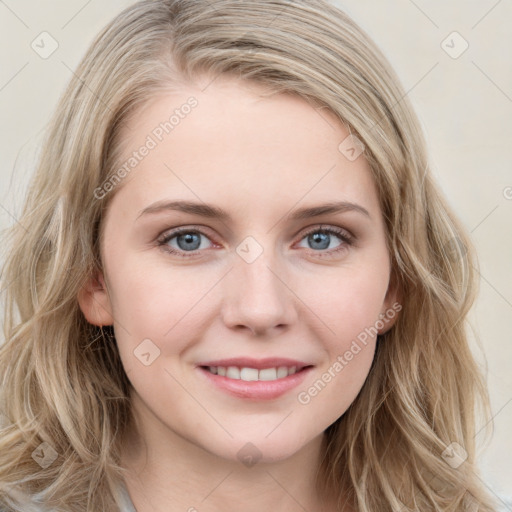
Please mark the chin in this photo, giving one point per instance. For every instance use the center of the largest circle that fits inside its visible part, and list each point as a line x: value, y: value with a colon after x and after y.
x: 260, y: 448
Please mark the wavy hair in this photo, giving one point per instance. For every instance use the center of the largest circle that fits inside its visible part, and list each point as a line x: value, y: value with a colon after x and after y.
x: 62, y: 380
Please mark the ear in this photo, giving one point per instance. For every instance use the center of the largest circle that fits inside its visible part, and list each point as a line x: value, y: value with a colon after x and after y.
x: 94, y: 301
x: 391, y: 307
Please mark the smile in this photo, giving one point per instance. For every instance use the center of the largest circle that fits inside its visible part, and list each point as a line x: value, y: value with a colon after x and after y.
x: 252, y: 374
x: 252, y: 383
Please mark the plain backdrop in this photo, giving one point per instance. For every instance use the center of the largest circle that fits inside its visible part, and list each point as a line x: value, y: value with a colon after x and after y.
x: 459, y: 83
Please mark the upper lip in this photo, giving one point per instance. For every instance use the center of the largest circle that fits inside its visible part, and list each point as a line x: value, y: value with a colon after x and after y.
x: 260, y: 364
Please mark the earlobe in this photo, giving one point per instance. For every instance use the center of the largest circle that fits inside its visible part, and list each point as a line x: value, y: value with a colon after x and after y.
x: 94, y: 301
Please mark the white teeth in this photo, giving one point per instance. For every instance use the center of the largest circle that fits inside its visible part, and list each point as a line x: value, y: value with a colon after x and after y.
x: 233, y: 372
x: 282, y: 371
x: 253, y: 374
x: 268, y: 374
x: 249, y: 374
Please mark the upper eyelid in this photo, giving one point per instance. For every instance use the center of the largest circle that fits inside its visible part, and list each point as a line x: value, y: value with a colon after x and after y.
x: 171, y: 233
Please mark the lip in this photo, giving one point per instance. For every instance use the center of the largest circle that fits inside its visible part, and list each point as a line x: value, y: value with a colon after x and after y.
x: 255, y: 390
x: 259, y: 364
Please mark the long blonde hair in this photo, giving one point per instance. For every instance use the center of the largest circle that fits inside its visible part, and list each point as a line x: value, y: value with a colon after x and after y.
x: 63, y: 384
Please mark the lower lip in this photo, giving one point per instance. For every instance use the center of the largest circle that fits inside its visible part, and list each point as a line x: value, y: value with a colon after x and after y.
x: 256, y: 389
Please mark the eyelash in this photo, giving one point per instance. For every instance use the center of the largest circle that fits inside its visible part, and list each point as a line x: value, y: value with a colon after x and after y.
x: 343, y: 235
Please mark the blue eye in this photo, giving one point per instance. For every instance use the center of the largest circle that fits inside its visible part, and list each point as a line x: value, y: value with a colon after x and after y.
x: 186, y: 242
x: 320, y: 239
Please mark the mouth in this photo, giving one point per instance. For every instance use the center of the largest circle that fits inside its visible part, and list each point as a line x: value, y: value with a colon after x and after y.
x: 257, y: 384
x: 249, y: 374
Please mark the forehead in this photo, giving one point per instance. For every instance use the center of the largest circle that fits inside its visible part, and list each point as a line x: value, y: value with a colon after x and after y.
x: 230, y: 140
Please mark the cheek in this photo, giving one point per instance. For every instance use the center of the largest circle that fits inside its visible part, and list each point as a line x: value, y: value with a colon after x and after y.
x: 349, y: 307
x: 348, y: 301
x: 328, y: 395
x: 157, y: 302
x: 157, y: 315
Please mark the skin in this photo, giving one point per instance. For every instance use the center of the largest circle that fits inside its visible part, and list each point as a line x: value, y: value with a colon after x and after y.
x: 259, y: 159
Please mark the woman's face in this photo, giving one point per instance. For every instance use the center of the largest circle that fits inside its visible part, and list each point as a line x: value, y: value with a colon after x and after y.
x: 263, y: 276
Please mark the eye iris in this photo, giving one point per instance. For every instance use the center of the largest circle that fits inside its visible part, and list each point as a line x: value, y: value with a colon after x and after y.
x: 322, y: 238
x: 189, y: 239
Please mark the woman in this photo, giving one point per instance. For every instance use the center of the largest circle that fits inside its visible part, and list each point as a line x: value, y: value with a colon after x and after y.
x: 268, y: 367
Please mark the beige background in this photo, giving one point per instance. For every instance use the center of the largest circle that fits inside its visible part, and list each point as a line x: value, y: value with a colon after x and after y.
x: 464, y: 104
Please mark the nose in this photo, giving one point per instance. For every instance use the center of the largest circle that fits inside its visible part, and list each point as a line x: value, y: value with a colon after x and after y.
x: 256, y: 297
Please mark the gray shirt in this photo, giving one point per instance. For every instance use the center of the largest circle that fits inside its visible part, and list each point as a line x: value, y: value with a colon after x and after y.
x: 127, y: 502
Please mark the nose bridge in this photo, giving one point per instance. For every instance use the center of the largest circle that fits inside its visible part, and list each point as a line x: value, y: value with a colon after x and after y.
x: 255, y: 295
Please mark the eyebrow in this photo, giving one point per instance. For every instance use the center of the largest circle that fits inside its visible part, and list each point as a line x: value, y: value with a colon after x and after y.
x: 214, y: 212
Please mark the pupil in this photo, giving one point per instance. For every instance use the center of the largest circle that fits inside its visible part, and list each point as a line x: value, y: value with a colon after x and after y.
x: 189, y: 239
x: 322, y: 238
